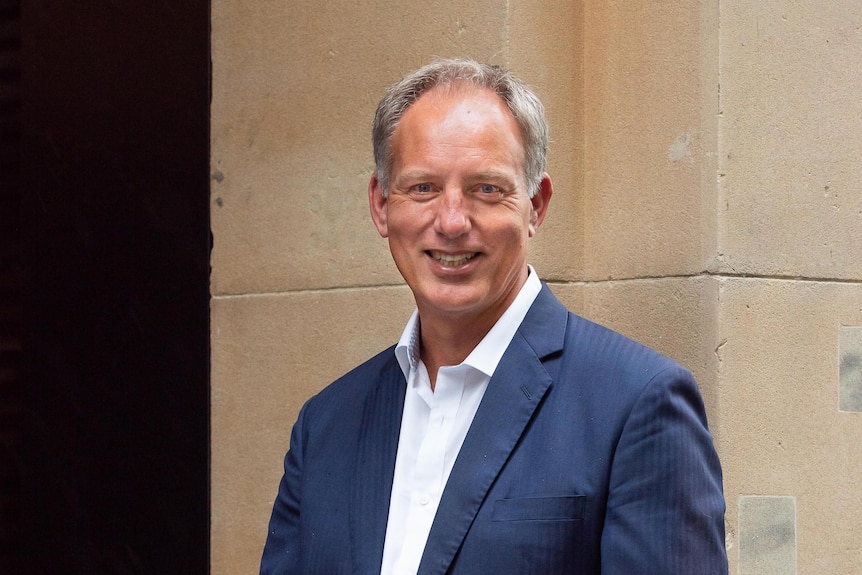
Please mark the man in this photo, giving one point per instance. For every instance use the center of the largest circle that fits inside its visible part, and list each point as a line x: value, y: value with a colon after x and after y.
x: 503, y: 434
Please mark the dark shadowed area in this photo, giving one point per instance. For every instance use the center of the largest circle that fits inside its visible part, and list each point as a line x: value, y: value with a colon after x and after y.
x: 106, y: 275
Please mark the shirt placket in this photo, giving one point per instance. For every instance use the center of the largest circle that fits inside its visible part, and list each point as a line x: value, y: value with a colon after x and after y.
x: 430, y: 464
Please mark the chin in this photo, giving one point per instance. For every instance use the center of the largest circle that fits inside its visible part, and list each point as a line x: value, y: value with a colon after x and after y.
x: 455, y: 304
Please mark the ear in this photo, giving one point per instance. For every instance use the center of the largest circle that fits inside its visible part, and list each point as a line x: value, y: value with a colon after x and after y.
x: 378, y: 205
x: 540, y: 202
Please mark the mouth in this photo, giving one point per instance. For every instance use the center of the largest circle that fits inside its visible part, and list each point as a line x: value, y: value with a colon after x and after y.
x: 452, y: 260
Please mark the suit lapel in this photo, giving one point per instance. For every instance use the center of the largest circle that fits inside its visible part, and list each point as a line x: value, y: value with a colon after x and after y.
x: 514, y: 392
x: 371, y: 485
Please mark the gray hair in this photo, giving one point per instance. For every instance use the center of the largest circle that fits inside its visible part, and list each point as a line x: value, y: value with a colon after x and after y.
x: 525, y: 107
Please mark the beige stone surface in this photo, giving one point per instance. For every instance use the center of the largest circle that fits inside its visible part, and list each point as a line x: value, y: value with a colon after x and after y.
x: 270, y: 353
x: 767, y: 535
x: 850, y: 369
x: 648, y: 139
x: 791, y: 180
x: 545, y: 48
x: 780, y: 430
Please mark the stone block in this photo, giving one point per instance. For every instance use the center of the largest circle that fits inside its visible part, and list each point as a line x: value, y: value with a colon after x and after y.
x: 767, y: 535
x: 789, y: 170
x: 649, y: 139
x: 850, y: 369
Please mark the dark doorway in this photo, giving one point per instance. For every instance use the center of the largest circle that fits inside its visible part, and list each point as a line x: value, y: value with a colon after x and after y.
x: 109, y: 394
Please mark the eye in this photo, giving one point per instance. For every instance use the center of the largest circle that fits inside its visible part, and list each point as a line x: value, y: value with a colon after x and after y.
x: 421, y: 189
x: 489, y: 192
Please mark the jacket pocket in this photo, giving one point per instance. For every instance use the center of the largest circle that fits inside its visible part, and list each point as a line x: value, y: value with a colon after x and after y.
x: 569, y: 508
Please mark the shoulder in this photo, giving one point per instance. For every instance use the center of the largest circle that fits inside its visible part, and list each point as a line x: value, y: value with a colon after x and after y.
x: 587, y: 359
x: 625, y: 377
x: 554, y: 331
x: 597, y: 343
x: 352, y: 387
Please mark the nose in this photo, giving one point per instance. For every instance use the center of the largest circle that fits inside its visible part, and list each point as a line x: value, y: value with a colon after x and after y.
x: 452, y: 219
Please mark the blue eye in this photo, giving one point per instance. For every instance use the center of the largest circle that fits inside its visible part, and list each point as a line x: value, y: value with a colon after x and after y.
x: 422, y: 188
x: 489, y: 189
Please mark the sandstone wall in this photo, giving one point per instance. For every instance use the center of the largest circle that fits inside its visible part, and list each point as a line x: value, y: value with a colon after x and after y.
x: 708, y: 202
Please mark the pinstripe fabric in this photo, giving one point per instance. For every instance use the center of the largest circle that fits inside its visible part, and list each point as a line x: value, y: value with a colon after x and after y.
x: 375, y: 466
x: 589, y: 454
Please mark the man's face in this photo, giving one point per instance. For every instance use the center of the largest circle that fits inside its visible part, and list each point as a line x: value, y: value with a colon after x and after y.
x: 458, y: 213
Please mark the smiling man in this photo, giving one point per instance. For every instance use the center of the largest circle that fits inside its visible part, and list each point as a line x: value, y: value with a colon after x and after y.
x: 503, y: 434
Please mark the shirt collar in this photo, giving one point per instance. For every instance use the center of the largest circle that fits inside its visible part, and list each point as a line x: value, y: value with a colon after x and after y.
x: 487, y: 354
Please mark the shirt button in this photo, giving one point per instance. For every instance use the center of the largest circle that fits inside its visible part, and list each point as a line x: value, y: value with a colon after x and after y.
x: 424, y: 499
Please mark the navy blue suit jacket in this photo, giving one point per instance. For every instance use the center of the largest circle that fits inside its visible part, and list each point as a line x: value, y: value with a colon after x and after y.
x: 588, y: 454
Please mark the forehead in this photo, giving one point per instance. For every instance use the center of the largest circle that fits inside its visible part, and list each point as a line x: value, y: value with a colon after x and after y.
x: 459, y: 114
x: 449, y: 99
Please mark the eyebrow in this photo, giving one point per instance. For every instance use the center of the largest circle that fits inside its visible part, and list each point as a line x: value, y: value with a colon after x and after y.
x: 489, y: 176
x: 413, y: 176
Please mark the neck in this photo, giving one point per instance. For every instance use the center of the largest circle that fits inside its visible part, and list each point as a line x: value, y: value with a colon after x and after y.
x: 448, y: 338
x: 448, y: 342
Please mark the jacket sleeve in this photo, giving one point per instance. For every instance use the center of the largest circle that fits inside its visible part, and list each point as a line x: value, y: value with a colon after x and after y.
x: 665, y: 509
x: 281, y: 554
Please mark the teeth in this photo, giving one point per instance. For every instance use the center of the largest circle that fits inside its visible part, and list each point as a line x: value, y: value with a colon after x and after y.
x: 450, y: 260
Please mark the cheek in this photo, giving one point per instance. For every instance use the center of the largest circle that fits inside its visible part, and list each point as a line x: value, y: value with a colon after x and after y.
x: 406, y: 219
x: 398, y: 227
x: 515, y: 230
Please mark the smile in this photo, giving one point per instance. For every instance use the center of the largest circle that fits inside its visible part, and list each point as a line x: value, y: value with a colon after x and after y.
x: 452, y: 260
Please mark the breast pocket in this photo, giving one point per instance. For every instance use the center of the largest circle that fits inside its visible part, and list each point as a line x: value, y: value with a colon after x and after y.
x: 567, y: 508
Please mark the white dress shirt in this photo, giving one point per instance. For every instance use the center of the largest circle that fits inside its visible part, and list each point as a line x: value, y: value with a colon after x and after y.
x: 433, y: 428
